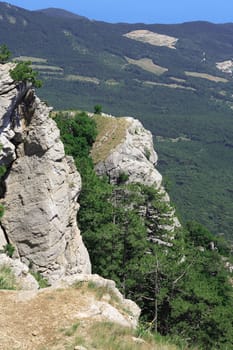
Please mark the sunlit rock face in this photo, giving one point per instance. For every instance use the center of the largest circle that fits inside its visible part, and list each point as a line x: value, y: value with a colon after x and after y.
x: 134, y: 156
x: 41, y: 186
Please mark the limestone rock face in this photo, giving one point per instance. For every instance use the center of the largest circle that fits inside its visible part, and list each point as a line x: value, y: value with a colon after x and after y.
x: 41, y: 187
x: 134, y: 156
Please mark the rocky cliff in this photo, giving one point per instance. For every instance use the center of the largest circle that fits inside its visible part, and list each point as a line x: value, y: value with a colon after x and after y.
x: 133, y: 154
x: 40, y: 188
x: 124, y: 150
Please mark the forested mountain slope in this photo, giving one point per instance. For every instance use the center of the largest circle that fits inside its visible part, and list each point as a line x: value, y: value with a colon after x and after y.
x: 177, y: 79
x: 181, y: 276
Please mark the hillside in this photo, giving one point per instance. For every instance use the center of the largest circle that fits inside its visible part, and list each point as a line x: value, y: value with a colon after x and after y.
x: 180, y: 276
x: 177, y: 79
x: 171, y: 77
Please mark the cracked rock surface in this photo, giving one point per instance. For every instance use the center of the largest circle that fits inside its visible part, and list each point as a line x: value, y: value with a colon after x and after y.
x: 134, y: 156
x: 41, y: 186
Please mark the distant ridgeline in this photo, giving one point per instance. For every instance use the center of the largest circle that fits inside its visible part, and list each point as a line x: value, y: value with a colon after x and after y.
x: 177, y: 79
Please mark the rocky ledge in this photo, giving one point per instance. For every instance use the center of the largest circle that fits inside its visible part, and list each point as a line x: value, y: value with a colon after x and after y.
x: 125, y: 149
x: 134, y: 155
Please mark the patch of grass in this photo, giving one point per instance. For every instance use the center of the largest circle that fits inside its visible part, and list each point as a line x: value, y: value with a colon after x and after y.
x: 9, y: 249
x: 206, y: 76
x: 76, y: 77
x: 43, y: 282
x: 148, y: 65
x: 78, y: 284
x: 30, y: 58
x: 71, y: 345
x: 123, y: 177
x: 111, y: 132
x: 7, y: 278
x: 100, y: 291
x: 47, y: 67
x: 172, y: 86
x: 110, y: 336
x: 112, y: 82
x: 71, y: 330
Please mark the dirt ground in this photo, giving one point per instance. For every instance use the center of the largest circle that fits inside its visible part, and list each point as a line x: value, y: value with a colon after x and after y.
x: 31, y: 321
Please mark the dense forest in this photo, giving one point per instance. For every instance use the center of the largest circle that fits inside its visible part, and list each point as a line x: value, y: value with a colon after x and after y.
x: 183, y: 287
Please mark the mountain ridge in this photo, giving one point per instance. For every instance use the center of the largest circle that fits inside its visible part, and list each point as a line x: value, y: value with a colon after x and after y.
x: 129, y: 77
x: 57, y: 12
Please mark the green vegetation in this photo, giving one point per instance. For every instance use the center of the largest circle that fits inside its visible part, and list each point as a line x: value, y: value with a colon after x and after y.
x: 5, y: 54
x: 101, y: 291
x: 23, y: 73
x: 78, y: 133
x: 182, y: 289
x: 2, y: 209
x: 71, y: 60
x: 97, y: 109
x: 7, y: 278
x: 97, y: 52
x: 107, y: 335
x: 43, y: 282
x: 9, y: 249
x: 110, y: 336
x: 71, y: 330
x: 123, y: 177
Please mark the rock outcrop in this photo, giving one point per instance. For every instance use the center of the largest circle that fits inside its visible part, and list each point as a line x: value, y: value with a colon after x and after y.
x: 128, y: 315
x: 133, y: 159
x: 134, y: 156
x: 41, y: 186
x: 24, y: 280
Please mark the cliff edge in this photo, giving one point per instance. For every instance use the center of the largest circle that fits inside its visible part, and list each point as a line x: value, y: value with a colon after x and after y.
x: 40, y: 188
x: 124, y: 150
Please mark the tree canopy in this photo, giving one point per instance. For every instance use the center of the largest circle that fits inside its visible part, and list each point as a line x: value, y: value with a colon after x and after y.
x: 5, y: 54
x: 23, y: 73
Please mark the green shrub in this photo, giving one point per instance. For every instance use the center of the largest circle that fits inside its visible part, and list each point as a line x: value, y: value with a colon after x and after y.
x: 97, y: 109
x: 122, y: 178
x: 147, y: 153
x: 7, y: 278
x: 23, y: 73
x: 5, y: 54
x: 9, y: 249
x: 1, y: 211
x: 43, y: 282
x: 71, y: 330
